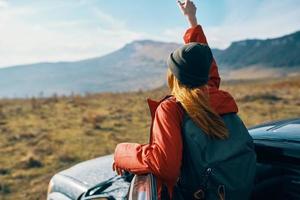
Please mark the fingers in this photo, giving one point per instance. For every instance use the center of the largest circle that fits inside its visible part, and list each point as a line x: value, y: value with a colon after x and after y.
x: 186, y: 3
x: 119, y: 170
x: 193, y: 5
x: 114, y: 167
x: 190, y: 2
x: 181, y: 5
x: 179, y: 2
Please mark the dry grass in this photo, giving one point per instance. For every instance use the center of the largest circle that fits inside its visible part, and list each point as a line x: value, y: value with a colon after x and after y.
x: 39, y: 137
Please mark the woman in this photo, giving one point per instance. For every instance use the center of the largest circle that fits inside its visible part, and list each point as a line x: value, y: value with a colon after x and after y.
x: 199, y: 148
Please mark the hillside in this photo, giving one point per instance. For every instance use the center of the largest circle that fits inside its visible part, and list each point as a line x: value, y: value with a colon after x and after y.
x: 142, y: 65
x: 138, y: 65
x: 39, y: 137
x: 277, y: 52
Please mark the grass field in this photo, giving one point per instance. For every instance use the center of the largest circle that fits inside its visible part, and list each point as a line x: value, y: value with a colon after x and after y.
x: 39, y: 137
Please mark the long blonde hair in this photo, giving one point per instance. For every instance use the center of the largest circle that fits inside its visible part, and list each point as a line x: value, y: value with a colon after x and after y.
x: 196, y: 104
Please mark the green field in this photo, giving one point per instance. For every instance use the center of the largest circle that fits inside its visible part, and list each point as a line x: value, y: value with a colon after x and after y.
x: 39, y: 137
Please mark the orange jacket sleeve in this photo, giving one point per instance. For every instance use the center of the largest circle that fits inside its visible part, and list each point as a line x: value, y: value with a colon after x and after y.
x: 196, y: 34
x: 162, y: 156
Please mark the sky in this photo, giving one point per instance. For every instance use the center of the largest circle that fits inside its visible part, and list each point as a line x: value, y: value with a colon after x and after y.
x: 66, y: 30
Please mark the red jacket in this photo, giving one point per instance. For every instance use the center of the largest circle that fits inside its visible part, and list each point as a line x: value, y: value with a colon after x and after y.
x: 163, y: 155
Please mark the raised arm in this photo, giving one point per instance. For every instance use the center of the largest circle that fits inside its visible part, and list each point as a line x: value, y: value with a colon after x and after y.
x: 195, y: 34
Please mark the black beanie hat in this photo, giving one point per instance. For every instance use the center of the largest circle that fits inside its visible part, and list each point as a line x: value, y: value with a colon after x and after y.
x: 191, y: 63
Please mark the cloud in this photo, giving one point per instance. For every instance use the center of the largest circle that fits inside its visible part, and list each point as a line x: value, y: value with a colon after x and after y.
x: 107, y: 20
x: 27, y: 41
x: 173, y: 34
x: 31, y: 33
x: 3, y: 4
x: 247, y: 19
x: 255, y: 19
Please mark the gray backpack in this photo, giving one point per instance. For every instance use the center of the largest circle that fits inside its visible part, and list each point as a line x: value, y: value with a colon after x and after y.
x: 214, y: 169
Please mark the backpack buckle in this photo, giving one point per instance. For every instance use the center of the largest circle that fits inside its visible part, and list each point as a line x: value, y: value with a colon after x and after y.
x: 199, y: 194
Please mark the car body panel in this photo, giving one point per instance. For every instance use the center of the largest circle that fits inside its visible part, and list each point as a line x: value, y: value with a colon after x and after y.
x: 273, y: 123
x: 74, y: 181
x: 58, y: 196
x: 277, y: 145
x: 68, y: 186
x: 92, y: 171
x: 282, y: 131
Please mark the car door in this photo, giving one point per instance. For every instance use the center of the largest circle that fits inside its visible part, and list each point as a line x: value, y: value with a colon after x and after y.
x: 278, y: 169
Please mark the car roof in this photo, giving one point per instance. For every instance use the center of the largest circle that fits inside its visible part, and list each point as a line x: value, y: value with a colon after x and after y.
x: 282, y: 130
x: 274, y: 123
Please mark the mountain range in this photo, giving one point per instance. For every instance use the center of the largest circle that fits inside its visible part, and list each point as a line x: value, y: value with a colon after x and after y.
x: 140, y: 65
x: 278, y: 52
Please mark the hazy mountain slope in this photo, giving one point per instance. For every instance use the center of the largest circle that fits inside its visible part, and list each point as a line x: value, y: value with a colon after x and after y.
x: 138, y: 65
x: 142, y: 65
x: 278, y: 52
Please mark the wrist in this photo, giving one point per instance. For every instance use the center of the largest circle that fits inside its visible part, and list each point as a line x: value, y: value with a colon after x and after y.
x: 192, y: 19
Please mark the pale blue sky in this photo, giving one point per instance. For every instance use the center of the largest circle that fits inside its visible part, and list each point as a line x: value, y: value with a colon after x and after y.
x: 55, y: 30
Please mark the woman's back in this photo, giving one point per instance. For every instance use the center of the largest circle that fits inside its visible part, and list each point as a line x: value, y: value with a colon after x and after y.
x: 211, y: 166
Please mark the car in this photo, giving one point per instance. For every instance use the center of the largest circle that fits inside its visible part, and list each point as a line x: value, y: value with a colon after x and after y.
x: 277, y: 145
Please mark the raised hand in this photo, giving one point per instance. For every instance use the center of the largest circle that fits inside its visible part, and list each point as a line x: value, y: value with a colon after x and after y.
x: 189, y: 9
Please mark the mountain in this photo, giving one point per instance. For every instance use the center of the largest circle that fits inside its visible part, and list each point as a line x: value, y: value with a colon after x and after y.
x: 142, y: 65
x: 279, y: 52
x: 138, y: 65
